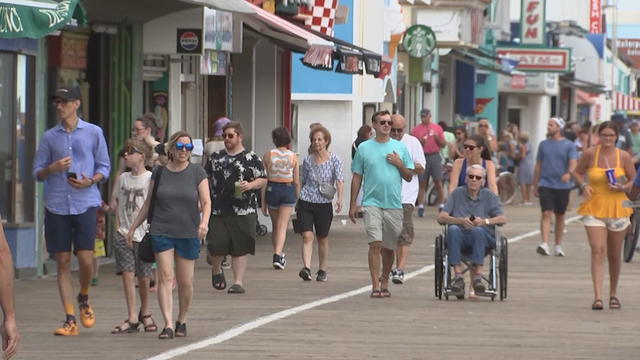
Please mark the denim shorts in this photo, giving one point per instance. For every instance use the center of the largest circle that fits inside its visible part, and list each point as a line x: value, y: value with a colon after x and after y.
x: 188, y: 248
x: 280, y: 194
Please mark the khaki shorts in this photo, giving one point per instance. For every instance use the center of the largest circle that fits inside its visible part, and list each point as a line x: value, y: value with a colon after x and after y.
x: 612, y: 224
x: 383, y: 225
x: 406, y: 235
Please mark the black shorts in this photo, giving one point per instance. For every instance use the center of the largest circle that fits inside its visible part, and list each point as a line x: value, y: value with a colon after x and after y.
x: 554, y: 199
x: 232, y: 235
x: 314, y: 215
x: 63, y: 231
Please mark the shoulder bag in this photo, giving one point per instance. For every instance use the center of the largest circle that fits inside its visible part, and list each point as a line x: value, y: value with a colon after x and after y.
x: 145, y: 250
x: 327, y: 190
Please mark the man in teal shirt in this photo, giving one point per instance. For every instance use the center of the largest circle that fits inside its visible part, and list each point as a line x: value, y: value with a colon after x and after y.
x: 383, y: 162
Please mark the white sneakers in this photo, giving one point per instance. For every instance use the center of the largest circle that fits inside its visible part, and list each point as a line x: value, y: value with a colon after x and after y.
x: 543, y: 249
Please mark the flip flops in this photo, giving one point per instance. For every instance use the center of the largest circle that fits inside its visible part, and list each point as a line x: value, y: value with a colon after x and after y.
x: 614, y: 303
x: 236, y: 289
x: 218, y: 281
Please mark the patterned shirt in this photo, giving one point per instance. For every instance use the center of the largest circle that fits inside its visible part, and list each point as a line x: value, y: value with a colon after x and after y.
x: 329, y: 171
x: 224, y: 171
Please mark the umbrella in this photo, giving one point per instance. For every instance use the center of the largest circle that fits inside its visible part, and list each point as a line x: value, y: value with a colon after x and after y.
x: 34, y: 18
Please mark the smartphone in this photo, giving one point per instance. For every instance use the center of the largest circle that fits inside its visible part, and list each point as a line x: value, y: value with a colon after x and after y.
x: 71, y: 175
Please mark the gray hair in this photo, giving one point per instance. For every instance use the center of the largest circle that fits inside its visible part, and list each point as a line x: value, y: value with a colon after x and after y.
x: 477, y: 167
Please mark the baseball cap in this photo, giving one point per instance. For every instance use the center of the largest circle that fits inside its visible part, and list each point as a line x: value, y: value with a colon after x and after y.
x: 558, y: 121
x: 425, y: 112
x: 219, y: 126
x: 66, y: 93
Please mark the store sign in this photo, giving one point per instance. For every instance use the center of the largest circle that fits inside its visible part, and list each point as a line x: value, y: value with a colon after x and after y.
x: 631, y: 48
x: 595, y: 17
x: 68, y: 51
x: 419, y: 41
x: 531, y: 83
x: 189, y: 41
x: 534, y: 59
x: 218, y: 30
x: 532, y: 22
x: 214, y: 63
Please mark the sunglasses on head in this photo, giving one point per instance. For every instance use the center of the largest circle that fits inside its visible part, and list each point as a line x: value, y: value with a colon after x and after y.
x: 228, y: 135
x: 385, y: 122
x: 132, y: 150
x: 182, y: 146
x: 469, y: 147
x: 475, y: 177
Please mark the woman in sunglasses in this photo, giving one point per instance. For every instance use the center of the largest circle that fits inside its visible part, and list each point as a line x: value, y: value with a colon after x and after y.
x: 484, y: 129
x: 475, y: 152
x: 181, y: 210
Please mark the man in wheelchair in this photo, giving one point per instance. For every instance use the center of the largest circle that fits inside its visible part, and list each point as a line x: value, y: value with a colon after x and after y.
x: 471, y: 212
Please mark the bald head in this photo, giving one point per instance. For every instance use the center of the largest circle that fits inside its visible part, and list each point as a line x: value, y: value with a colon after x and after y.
x: 398, y: 121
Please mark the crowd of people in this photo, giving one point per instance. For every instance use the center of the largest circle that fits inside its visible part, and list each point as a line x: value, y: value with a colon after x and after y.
x: 164, y: 201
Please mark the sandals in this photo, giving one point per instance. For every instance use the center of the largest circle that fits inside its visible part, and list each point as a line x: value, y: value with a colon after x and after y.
x: 181, y: 329
x: 376, y: 294
x: 597, y: 305
x: 167, y: 333
x: 614, y: 303
x: 129, y: 329
x: 236, y: 289
x: 385, y: 293
x: 148, y: 327
x: 218, y: 281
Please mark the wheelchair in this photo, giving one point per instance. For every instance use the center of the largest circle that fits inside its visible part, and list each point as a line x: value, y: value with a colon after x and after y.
x: 497, y: 274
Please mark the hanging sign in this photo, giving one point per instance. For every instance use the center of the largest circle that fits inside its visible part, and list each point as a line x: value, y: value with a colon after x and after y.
x: 538, y: 59
x: 532, y: 22
x: 419, y: 41
x: 189, y: 41
x: 595, y: 17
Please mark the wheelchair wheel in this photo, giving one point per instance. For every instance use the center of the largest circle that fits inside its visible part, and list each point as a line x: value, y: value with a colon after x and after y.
x: 506, y: 187
x: 439, y: 267
x: 261, y: 230
x: 631, y: 239
x: 503, y: 267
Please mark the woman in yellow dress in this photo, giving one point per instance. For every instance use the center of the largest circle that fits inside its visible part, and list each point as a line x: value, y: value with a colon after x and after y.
x: 605, y: 219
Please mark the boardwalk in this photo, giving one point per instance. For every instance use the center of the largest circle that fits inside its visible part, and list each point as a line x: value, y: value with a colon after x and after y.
x: 547, y: 315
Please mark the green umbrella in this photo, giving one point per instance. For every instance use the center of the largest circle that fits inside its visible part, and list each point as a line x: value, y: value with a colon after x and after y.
x: 35, y: 18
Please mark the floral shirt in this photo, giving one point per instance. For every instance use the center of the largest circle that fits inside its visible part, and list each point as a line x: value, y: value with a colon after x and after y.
x: 329, y: 171
x: 224, y: 171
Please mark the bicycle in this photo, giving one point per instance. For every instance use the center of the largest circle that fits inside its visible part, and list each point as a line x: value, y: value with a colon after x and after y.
x: 631, y: 238
x: 507, y: 186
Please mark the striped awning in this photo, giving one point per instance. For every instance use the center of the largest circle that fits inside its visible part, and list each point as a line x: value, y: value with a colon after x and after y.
x: 626, y: 103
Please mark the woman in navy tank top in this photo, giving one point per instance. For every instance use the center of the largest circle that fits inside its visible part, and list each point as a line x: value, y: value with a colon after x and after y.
x: 475, y: 152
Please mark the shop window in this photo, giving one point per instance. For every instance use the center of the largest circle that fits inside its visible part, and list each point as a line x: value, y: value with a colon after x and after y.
x: 17, y: 137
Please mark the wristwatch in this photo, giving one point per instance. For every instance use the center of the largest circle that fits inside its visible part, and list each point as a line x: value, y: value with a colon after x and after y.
x: 486, y: 221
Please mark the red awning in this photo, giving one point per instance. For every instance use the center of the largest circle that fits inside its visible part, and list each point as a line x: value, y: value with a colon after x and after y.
x: 626, y: 103
x: 583, y: 97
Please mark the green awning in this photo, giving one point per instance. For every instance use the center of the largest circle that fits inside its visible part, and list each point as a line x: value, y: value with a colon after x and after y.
x: 36, y: 18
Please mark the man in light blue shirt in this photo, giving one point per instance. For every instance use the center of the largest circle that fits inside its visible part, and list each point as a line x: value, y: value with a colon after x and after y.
x: 71, y: 159
x: 383, y: 162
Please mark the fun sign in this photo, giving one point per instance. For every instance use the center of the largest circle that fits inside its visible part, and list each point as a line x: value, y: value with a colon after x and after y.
x: 532, y: 22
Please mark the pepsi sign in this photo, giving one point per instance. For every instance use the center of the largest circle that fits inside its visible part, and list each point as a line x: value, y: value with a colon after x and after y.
x: 189, y: 41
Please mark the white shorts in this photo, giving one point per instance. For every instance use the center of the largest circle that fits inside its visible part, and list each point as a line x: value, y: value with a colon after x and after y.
x: 612, y: 224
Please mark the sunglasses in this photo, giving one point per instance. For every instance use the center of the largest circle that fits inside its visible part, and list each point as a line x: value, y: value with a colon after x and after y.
x: 475, y: 177
x: 182, y: 146
x: 132, y: 150
x: 397, y: 131
x: 483, y: 125
x: 228, y: 135
x: 469, y: 147
x: 385, y: 122
x: 55, y: 103
x: 136, y: 129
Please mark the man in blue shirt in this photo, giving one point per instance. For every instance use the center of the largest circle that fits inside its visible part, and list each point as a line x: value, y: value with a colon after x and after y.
x: 556, y: 161
x: 383, y: 162
x: 72, y: 158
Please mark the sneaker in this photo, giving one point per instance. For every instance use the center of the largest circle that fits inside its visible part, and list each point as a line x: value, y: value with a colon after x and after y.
x: 478, y: 285
x: 279, y: 262
x: 543, y: 249
x: 87, y: 315
x: 305, y: 274
x: 321, y: 275
x: 69, y: 328
x: 558, y: 251
x: 397, y: 276
x: 421, y: 211
x: 457, y: 286
x: 225, y: 263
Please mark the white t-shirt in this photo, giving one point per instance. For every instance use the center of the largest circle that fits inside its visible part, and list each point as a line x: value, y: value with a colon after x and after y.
x: 132, y: 192
x: 410, y: 189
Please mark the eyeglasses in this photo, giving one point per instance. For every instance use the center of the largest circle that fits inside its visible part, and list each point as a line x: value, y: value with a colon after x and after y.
x: 608, y: 135
x: 132, y: 150
x: 483, y: 125
x: 385, y: 122
x: 475, y: 177
x: 58, y: 102
x: 182, y: 146
x: 136, y: 129
x: 469, y: 147
x: 397, y: 131
x: 228, y: 135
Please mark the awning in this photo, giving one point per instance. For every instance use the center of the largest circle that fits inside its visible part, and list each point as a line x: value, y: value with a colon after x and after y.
x: 36, y: 18
x: 626, y: 103
x: 481, y: 60
x: 237, y: 6
x: 584, y: 98
x: 571, y: 81
x: 318, y: 51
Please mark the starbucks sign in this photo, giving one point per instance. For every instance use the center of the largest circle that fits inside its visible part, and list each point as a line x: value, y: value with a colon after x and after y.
x: 419, y: 41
